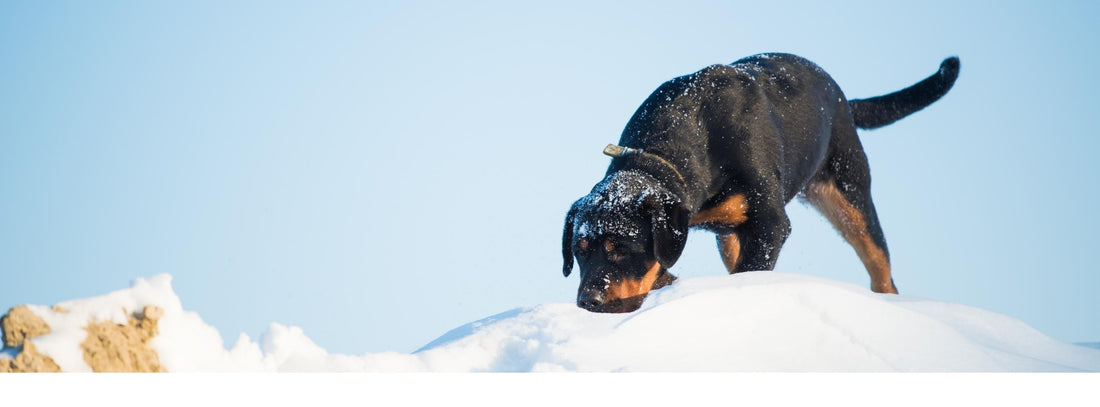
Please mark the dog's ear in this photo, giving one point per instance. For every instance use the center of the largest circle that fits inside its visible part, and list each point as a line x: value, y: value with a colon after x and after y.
x: 670, y: 229
x: 567, y: 241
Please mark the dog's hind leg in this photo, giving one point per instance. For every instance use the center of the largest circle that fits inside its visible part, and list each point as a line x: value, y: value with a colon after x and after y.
x: 860, y: 228
x: 842, y: 192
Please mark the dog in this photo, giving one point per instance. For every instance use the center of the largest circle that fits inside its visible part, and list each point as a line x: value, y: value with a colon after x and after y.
x: 725, y: 149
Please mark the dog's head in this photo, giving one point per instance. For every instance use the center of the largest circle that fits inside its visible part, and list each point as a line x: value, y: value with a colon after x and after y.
x: 625, y: 235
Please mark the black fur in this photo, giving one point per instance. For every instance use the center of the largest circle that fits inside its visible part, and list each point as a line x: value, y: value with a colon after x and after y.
x: 764, y: 127
x: 880, y: 111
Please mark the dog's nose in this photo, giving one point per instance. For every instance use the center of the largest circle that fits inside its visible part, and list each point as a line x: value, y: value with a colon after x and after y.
x: 591, y: 300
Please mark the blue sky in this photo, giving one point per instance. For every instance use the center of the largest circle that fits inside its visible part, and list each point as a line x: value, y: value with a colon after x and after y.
x: 380, y: 172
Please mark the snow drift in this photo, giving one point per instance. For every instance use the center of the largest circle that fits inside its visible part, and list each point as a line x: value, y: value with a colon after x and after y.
x: 763, y: 321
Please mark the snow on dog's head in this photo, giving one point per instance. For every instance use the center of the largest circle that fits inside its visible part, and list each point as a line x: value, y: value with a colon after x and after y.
x: 625, y: 234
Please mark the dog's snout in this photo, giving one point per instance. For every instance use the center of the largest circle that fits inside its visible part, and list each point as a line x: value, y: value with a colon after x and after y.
x: 591, y: 299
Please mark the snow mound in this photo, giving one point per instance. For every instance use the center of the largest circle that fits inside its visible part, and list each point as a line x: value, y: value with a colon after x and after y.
x: 763, y: 321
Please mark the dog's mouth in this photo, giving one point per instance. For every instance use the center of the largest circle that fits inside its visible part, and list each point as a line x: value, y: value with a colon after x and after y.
x: 616, y: 306
x: 625, y: 304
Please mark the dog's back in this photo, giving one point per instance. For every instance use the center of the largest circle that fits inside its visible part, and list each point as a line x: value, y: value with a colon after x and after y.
x: 707, y: 119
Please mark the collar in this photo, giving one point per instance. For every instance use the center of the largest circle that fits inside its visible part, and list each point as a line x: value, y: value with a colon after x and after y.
x: 616, y: 151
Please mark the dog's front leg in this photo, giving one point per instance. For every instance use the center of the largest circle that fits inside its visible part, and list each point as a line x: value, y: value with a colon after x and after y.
x: 761, y: 236
x: 729, y: 246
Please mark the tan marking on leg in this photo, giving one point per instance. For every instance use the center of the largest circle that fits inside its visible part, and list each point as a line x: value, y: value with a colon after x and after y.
x: 733, y: 211
x: 730, y: 249
x: 629, y: 287
x: 607, y: 245
x: 583, y: 244
x: 853, y: 227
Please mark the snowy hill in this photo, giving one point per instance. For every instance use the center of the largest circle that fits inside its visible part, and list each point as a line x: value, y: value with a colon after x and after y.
x: 764, y: 321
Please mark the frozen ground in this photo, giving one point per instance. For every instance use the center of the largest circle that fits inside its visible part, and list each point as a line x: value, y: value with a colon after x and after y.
x: 763, y: 321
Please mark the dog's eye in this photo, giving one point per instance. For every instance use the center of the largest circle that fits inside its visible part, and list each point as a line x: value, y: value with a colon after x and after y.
x: 582, y: 246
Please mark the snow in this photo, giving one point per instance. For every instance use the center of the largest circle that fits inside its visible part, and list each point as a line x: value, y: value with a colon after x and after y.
x: 619, y: 191
x: 761, y: 321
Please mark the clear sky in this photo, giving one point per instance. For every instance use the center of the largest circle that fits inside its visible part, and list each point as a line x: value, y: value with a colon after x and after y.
x: 381, y: 172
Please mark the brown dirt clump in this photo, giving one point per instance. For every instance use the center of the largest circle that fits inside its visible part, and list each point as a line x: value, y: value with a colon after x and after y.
x: 20, y: 324
x: 109, y: 347
x: 29, y: 360
x: 112, y: 347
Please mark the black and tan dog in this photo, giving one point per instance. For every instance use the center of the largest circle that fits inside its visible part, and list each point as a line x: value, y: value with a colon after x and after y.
x: 725, y: 149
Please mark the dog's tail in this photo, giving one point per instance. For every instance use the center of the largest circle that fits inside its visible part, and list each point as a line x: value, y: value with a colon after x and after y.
x: 882, y: 110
